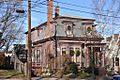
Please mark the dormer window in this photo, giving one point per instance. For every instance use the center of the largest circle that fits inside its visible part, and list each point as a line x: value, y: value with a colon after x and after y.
x: 89, y: 29
x: 69, y: 28
x: 68, y: 24
x: 69, y: 31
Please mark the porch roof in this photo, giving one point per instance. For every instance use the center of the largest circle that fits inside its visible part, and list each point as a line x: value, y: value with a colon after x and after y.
x: 95, y: 44
x: 67, y: 38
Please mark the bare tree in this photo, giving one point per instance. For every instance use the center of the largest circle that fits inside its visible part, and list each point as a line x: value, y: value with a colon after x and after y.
x: 107, y: 16
x: 11, y: 23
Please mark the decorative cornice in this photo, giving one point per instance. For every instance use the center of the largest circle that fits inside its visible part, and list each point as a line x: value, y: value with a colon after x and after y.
x: 67, y: 38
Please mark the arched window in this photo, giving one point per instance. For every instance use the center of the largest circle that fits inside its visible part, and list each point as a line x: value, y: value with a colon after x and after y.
x: 69, y: 31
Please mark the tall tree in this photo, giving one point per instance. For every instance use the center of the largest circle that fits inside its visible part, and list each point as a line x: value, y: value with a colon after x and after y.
x: 11, y: 23
x: 107, y: 16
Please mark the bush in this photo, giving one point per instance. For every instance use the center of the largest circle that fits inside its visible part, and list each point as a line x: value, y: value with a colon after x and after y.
x: 71, y: 68
x: 84, y: 75
x: 112, y: 73
x: 89, y: 70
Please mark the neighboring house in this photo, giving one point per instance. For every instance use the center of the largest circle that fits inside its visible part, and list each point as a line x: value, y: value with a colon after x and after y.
x: 8, y: 63
x: 63, y: 35
x: 18, y: 64
x: 113, y: 51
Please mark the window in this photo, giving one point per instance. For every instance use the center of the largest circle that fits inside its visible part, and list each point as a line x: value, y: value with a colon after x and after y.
x: 33, y: 56
x: 77, y: 52
x: 76, y: 48
x: 117, y: 61
x: 38, y: 56
x: 69, y: 28
x: 69, y: 31
x: 63, y: 51
x: 89, y: 29
x: 71, y: 51
x: 71, y: 48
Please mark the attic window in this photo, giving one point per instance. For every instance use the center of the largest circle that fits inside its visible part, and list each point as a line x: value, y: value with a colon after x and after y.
x: 89, y: 29
x: 69, y: 31
x: 69, y: 28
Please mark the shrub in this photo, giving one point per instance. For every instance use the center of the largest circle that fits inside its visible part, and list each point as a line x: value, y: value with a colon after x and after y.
x: 71, y: 68
x: 84, y: 75
x: 89, y: 70
x: 112, y: 72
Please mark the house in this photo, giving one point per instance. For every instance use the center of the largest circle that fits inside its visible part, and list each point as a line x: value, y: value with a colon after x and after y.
x: 19, y: 64
x: 113, y: 51
x: 64, y: 35
x: 8, y: 60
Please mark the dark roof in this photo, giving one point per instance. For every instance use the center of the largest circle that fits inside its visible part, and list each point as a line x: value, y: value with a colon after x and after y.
x: 37, y: 27
x: 78, y: 18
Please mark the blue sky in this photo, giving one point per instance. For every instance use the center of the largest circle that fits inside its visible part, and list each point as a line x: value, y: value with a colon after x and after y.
x: 84, y: 5
x: 38, y: 17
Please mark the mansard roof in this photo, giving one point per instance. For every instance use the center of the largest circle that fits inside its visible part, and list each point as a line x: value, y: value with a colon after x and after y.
x: 62, y: 17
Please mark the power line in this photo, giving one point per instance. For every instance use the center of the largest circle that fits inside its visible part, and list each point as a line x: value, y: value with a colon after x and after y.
x: 42, y: 12
x: 37, y: 2
x: 39, y: 11
x: 76, y: 10
x: 73, y: 5
x: 86, y: 7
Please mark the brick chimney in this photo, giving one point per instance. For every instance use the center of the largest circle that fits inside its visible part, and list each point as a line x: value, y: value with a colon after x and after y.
x: 50, y: 11
x: 56, y: 11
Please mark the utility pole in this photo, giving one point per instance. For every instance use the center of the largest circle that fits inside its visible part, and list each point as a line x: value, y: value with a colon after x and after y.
x: 93, y: 64
x: 29, y: 40
x: 56, y: 47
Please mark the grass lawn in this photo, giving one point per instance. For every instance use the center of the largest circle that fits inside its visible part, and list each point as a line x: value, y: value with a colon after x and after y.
x: 10, y: 74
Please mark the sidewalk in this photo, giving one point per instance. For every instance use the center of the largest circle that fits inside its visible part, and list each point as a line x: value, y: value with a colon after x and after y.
x: 11, y: 79
x: 39, y: 78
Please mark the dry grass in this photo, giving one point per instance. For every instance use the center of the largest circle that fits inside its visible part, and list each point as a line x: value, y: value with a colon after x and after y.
x: 10, y: 74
